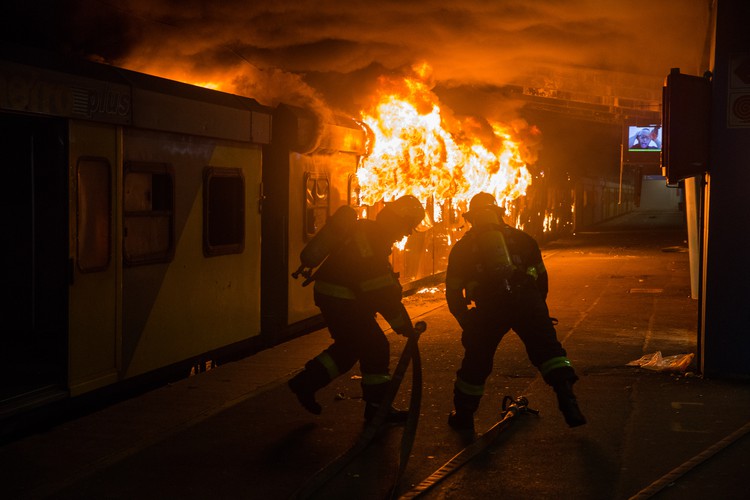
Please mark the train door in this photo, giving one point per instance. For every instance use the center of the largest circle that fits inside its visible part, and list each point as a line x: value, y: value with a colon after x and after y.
x: 94, y: 256
x: 33, y: 335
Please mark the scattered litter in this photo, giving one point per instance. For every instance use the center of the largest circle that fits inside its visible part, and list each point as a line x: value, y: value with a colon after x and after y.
x: 655, y: 361
x: 340, y: 396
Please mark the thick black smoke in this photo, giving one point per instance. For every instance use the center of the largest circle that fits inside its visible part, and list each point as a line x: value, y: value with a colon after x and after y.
x: 333, y: 50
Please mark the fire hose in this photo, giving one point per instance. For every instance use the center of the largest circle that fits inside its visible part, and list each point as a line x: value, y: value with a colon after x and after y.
x: 410, y: 353
x: 678, y: 472
x: 511, y: 408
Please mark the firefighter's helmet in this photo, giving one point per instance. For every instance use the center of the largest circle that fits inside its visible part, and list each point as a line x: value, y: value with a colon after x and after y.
x: 405, y: 213
x: 409, y: 208
x: 478, y: 202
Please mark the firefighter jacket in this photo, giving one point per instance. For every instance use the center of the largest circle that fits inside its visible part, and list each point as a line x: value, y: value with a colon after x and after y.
x: 467, y: 281
x: 360, y: 270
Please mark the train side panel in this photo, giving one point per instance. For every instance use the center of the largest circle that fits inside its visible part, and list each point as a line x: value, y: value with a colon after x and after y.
x: 185, y: 294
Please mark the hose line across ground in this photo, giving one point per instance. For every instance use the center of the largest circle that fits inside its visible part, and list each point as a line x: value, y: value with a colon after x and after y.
x: 677, y: 472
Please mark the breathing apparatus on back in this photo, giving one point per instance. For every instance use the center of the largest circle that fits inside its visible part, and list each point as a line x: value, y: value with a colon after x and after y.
x: 400, y: 217
x: 487, y: 227
x: 333, y: 233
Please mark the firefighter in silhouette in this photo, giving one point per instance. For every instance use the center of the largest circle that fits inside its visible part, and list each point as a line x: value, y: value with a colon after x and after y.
x: 500, y: 270
x: 354, y: 283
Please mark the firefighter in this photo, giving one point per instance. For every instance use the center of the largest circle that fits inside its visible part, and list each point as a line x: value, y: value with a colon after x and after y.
x: 354, y: 283
x: 500, y: 270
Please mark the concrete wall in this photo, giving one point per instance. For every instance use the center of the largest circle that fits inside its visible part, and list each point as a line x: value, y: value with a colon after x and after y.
x: 656, y: 195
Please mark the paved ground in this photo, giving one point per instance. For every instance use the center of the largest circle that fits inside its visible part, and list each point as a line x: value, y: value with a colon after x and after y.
x: 237, y: 432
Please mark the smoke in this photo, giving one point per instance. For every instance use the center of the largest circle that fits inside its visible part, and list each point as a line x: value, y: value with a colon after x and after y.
x: 330, y: 53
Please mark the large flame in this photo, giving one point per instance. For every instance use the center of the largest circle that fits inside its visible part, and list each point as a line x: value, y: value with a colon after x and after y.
x: 416, y: 149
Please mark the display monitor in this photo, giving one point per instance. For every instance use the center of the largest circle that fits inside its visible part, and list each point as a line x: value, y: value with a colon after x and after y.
x: 642, y: 143
x: 644, y: 138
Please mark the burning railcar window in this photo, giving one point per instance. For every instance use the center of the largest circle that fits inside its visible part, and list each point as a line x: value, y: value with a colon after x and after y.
x: 317, y: 202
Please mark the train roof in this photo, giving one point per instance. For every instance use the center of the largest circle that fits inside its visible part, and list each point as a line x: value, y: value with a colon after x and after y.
x: 39, y: 82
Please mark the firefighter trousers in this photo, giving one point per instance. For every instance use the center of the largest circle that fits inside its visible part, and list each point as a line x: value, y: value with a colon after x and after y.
x: 357, y: 336
x: 526, y: 313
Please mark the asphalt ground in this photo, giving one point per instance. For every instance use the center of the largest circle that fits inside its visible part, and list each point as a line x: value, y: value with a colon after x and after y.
x: 619, y: 292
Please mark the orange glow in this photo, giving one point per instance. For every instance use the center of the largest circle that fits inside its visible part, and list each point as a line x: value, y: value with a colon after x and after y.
x: 175, y: 68
x: 416, y: 149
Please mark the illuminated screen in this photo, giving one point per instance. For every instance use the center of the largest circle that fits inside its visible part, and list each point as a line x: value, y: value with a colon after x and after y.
x: 644, y: 138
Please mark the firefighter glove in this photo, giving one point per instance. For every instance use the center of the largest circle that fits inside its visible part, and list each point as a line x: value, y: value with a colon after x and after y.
x: 469, y: 320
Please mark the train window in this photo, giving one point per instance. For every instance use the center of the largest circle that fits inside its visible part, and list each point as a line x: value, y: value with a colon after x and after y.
x: 93, y: 216
x: 223, y: 211
x: 352, y: 189
x: 317, y: 202
x: 148, y: 213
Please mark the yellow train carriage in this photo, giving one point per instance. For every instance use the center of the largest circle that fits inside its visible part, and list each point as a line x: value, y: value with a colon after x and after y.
x: 136, y: 239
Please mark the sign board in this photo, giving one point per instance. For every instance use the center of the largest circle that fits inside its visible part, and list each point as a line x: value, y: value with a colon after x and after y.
x: 738, y: 97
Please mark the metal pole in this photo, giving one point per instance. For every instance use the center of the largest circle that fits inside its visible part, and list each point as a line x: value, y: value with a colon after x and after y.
x: 619, y: 200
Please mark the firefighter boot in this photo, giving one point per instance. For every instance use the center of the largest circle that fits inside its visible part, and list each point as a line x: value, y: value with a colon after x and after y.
x: 373, y: 394
x: 307, y: 382
x: 461, y: 421
x: 567, y: 403
x: 462, y: 417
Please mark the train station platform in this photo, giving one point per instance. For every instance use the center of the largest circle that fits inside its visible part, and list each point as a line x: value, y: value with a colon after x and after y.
x: 620, y: 292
